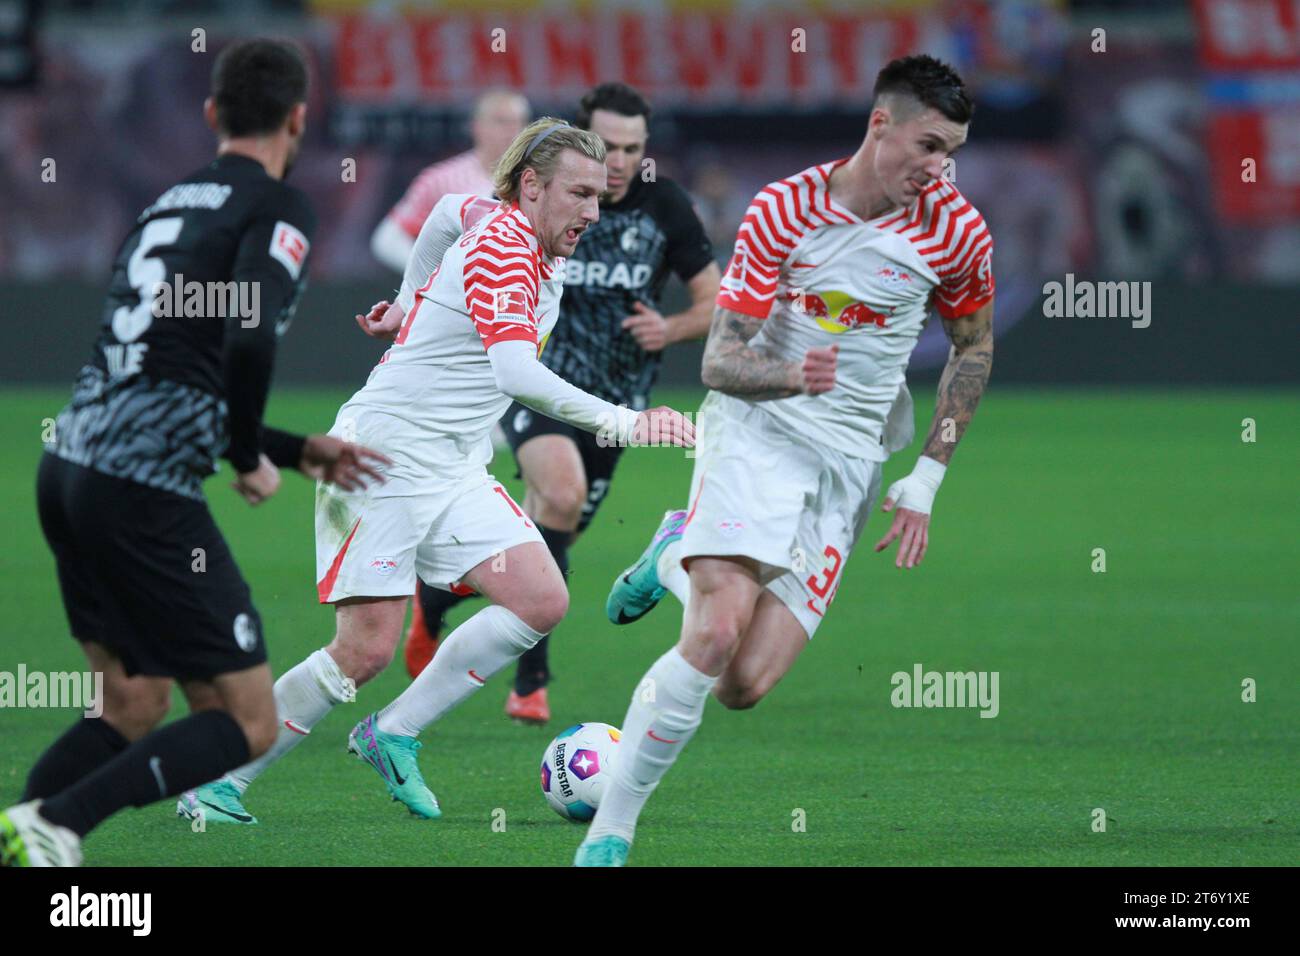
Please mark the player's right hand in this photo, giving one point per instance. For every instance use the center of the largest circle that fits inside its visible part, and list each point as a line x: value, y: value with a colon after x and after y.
x: 663, y: 426
x: 341, y: 463
x: 818, y: 370
x: 382, y: 321
x: 257, y: 486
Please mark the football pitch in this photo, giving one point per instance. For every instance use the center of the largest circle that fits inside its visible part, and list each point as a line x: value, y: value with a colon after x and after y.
x: 1120, y: 693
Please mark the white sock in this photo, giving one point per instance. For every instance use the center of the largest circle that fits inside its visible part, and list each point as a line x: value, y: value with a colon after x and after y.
x: 303, y: 695
x: 671, y: 573
x: 466, y: 658
x: 666, y: 710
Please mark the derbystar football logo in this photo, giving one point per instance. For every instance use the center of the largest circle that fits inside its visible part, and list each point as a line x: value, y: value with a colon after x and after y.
x: 584, y: 764
x: 837, y: 311
x: 289, y: 247
x: 561, y: 774
x: 383, y: 565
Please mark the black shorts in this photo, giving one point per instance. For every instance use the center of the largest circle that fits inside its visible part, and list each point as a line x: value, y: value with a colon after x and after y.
x: 521, y: 423
x: 147, y: 574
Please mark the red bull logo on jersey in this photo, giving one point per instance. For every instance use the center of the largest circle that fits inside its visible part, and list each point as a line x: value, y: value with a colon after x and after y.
x: 383, y: 565
x: 892, y: 278
x: 837, y: 312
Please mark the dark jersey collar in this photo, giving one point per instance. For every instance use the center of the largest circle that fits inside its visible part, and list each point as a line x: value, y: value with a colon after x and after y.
x: 632, y: 197
x: 236, y: 160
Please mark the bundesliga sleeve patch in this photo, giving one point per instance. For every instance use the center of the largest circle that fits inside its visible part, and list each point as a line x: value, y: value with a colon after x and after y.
x: 733, y: 280
x: 289, y: 246
x: 511, y: 307
x: 984, y: 276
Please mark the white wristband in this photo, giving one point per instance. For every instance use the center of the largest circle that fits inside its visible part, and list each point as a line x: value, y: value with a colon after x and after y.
x: 916, y: 491
x: 929, y: 471
x: 625, y: 424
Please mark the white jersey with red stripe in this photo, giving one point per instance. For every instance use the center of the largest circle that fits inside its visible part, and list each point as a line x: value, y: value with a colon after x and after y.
x: 819, y: 275
x: 462, y: 173
x: 432, y: 400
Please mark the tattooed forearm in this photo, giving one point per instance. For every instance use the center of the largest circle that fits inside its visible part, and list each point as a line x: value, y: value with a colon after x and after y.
x: 960, y: 386
x: 731, y: 366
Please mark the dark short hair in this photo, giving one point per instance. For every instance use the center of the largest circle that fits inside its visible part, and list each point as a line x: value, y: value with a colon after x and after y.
x: 255, y: 85
x: 933, y: 82
x: 615, y: 97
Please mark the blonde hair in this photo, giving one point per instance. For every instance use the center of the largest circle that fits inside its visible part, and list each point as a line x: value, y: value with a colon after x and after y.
x: 539, y: 147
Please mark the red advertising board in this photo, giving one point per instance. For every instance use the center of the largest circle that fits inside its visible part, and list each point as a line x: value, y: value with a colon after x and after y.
x: 750, y: 56
x: 1269, y: 189
x: 1249, y: 34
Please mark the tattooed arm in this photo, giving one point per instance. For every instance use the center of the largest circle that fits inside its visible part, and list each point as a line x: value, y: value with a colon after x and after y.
x: 731, y: 366
x: 962, y: 382
x: 960, y: 388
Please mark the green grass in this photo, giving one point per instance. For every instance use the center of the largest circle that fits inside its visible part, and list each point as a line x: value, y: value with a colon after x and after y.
x: 1119, y: 690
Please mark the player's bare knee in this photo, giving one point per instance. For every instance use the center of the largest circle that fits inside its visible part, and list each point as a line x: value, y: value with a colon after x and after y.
x: 560, y: 505
x: 545, y: 610
x: 737, y: 696
x: 373, y: 661
x: 134, y: 706
x: 720, y: 629
x: 361, y: 658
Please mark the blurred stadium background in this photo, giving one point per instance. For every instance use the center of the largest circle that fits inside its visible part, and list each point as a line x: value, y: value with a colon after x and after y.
x: 1122, y: 164
x: 1120, y: 690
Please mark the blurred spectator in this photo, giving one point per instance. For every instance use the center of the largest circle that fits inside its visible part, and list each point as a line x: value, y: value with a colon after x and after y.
x: 499, y: 116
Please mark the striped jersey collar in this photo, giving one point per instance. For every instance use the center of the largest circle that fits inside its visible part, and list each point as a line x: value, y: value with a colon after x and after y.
x: 515, y: 216
x: 825, y: 169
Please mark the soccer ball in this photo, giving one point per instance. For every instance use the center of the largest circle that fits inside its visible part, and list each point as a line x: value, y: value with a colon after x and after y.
x: 574, y: 768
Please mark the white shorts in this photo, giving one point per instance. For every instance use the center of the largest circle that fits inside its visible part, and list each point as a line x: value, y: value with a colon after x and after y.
x: 433, y: 525
x: 760, y: 493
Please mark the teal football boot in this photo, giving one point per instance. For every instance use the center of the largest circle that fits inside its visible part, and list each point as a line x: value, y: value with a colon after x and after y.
x: 602, y: 851
x: 637, y: 590
x: 216, y: 802
x: 393, y: 757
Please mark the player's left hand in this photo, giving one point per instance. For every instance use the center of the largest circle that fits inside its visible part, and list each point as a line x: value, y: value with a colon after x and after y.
x: 382, y: 321
x: 663, y: 426
x: 913, y: 527
x: 339, y: 462
x: 648, y: 327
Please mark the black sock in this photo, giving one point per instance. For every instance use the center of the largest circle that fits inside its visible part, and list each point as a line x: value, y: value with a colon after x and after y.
x: 165, y: 763
x: 85, y: 747
x: 435, y: 603
x: 534, y: 671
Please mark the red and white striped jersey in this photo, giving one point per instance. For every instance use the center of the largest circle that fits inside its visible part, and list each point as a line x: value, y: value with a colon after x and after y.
x: 820, y: 276
x: 462, y: 173
x: 492, y: 284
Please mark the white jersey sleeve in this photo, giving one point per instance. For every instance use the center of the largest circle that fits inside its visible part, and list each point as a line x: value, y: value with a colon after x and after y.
x: 520, y: 375
x: 449, y: 218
